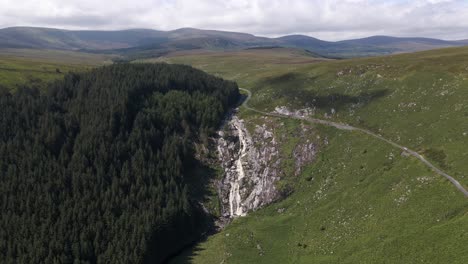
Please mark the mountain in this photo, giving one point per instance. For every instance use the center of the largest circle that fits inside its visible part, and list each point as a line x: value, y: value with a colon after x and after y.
x: 46, y: 38
x: 385, y: 40
x: 152, y: 43
x: 27, y: 37
x: 401, y: 44
x: 304, y: 41
x: 329, y: 48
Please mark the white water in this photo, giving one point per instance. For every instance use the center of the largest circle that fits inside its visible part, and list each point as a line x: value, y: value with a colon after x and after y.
x: 235, y: 200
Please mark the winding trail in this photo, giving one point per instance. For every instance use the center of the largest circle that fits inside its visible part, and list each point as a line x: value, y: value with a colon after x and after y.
x: 365, y: 131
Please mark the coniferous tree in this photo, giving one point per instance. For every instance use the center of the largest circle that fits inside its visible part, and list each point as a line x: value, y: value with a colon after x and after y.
x: 94, y: 169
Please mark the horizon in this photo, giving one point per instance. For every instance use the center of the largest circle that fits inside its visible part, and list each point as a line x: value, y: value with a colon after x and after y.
x: 256, y: 35
x: 331, y: 20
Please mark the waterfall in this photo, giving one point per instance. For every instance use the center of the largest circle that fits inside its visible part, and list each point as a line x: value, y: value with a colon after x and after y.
x: 235, y: 200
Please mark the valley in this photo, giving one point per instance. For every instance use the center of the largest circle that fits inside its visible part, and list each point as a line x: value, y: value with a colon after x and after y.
x: 326, y: 160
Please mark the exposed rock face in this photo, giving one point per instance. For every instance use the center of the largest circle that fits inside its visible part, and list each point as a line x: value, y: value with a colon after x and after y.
x: 304, y: 153
x: 251, y: 170
x: 252, y: 163
x: 298, y: 113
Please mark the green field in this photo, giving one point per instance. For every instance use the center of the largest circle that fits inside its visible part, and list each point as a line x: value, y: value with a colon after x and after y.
x: 366, y: 202
x: 36, y: 67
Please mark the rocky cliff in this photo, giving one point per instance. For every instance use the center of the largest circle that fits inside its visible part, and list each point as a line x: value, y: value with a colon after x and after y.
x: 252, y: 163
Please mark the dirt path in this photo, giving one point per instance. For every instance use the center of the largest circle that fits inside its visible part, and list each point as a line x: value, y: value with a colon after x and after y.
x: 370, y: 133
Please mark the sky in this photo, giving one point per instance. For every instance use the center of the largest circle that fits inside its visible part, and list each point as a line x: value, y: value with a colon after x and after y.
x: 325, y: 19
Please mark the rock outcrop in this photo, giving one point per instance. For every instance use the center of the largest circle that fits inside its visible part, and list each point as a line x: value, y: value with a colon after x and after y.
x: 250, y: 169
x: 304, y: 153
x: 252, y: 163
x: 298, y: 113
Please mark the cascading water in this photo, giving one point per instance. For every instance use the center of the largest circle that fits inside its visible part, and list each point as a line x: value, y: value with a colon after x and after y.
x: 250, y: 170
x: 235, y: 200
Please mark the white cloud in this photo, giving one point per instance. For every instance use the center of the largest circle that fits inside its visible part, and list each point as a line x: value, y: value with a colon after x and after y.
x: 328, y: 19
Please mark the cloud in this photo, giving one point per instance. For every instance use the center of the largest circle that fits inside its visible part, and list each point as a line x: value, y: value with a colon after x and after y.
x: 328, y: 19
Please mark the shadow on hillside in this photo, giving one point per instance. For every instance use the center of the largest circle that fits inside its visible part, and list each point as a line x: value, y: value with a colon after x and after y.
x: 296, y: 88
x: 188, y: 255
x: 192, y: 228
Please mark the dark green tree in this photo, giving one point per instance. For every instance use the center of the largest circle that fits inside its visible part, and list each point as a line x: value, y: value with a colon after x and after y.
x: 95, y: 169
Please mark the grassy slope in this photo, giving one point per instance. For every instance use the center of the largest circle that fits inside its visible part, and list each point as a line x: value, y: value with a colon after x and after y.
x: 420, y: 100
x: 366, y: 203
x: 391, y: 211
x: 36, y: 67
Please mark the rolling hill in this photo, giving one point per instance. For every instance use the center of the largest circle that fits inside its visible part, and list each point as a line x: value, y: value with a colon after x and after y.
x: 47, y: 38
x: 36, y: 68
x: 147, y: 42
x: 361, y: 200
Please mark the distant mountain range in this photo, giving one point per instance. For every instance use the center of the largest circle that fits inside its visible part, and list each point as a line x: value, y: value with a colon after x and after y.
x: 148, y: 42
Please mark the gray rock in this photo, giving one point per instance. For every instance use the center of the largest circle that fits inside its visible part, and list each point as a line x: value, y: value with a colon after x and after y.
x: 252, y: 163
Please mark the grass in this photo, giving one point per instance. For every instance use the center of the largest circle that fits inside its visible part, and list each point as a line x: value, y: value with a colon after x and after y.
x: 361, y: 201
x: 24, y: 67
x: 365, y: 203
x: 419, y: 100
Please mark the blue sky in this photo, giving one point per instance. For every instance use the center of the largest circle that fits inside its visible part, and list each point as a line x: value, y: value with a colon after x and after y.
x: 326, y: 19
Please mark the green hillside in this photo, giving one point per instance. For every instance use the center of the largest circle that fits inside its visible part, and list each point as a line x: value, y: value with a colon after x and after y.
x: 38, y: 67
x: 362, y: 201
